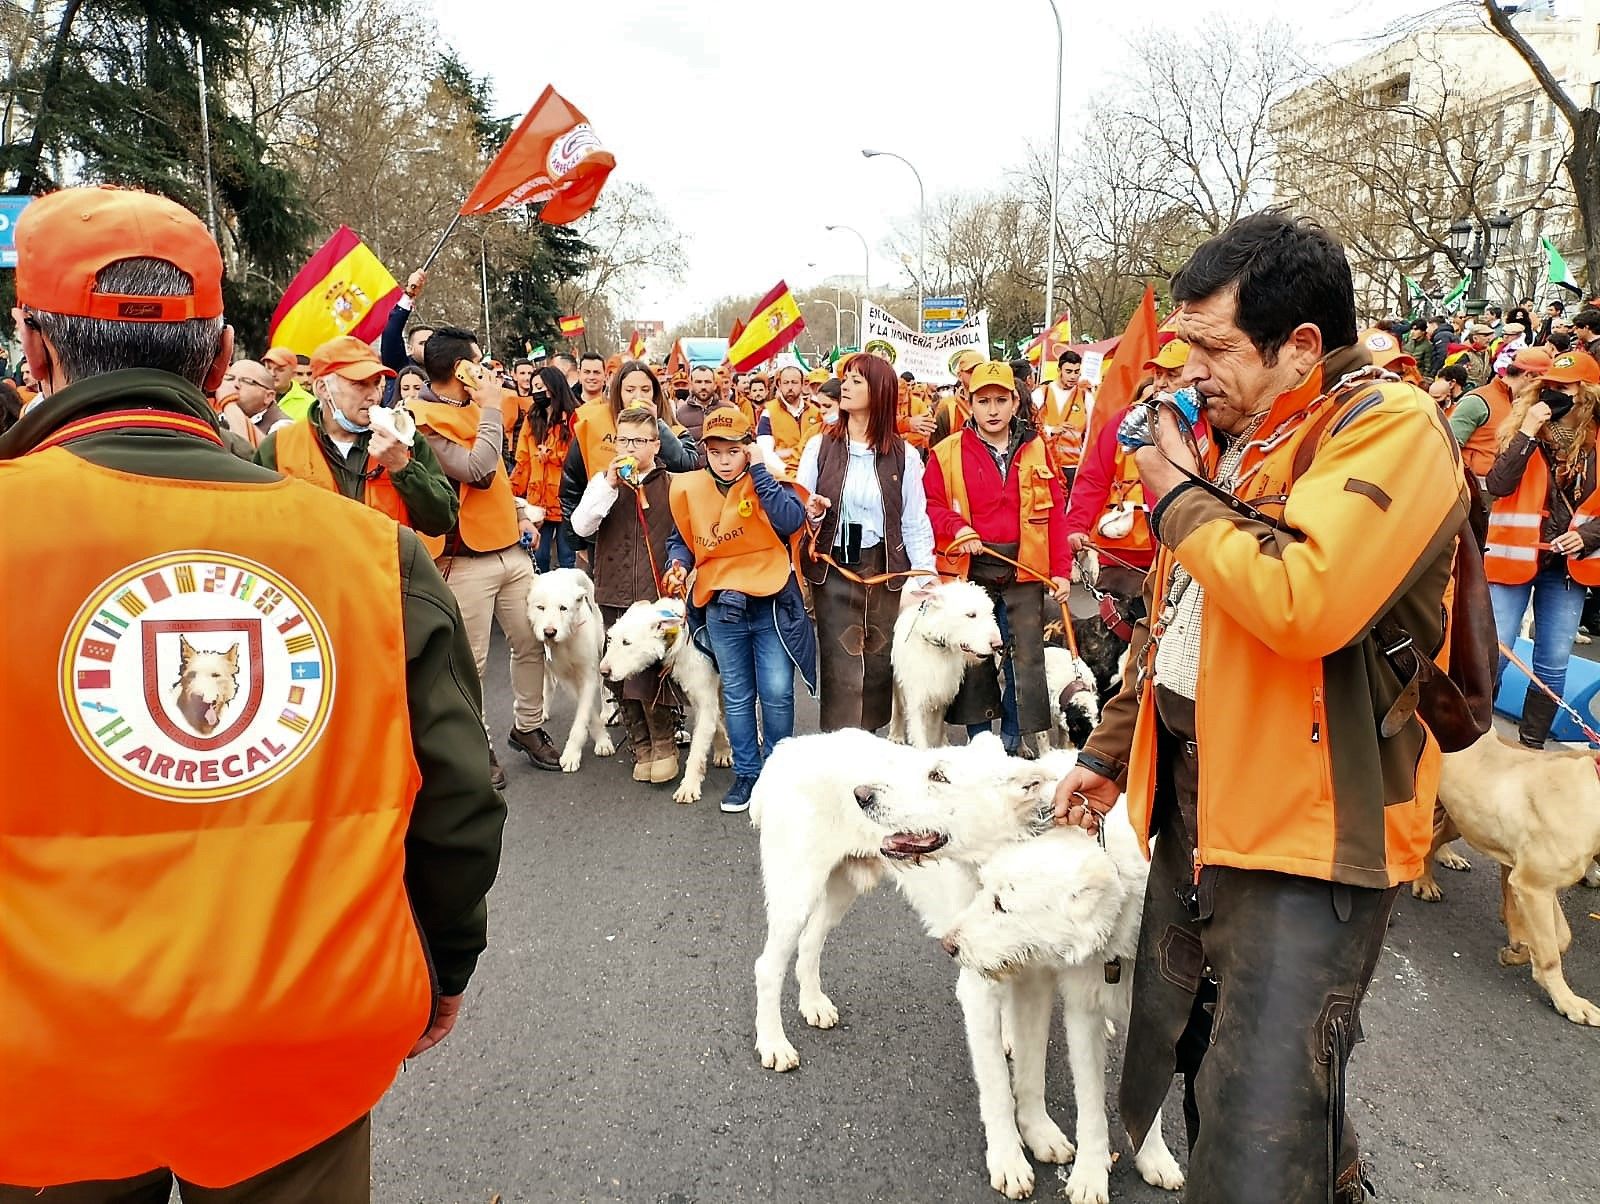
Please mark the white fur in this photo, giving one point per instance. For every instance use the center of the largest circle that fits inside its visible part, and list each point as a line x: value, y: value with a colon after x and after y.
x: 655, y: 633
x: 935, y: 642
x: 1047, y: 916
x: 564, y: 615
x: 1062, y: 669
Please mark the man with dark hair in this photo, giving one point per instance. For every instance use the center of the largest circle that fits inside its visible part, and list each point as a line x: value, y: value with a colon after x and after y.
x: 1060, y: 412
x: 488, y: 571
x: 1552, y: 311
x: 569, y: 368
x: 591, y: 377
x: 691, y: 413
x: 1586, y: 327
x: 266, y: 777
x: 1419, y: 346
x: 1280, y: 855
x: 1441, y: 334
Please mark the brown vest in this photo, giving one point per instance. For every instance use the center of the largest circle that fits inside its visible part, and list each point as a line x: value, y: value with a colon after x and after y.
x: 619, y: 560
x: 833, y: 458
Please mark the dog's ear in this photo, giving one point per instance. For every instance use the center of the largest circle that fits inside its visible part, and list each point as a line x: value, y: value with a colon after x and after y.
x: 185, y: 652
x: 233, y: 659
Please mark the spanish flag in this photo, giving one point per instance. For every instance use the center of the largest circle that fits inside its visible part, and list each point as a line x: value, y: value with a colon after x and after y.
x: 342, y: 290
x: 1048, y: 345
x: 572, y: 326
x: 636, y: 346
x: 775, y: 324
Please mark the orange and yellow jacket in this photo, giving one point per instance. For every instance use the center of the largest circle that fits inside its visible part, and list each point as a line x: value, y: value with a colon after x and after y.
x: 537, y: 475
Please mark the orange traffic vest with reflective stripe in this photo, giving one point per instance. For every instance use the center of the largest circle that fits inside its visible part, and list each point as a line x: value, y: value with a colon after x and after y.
x: 1515, y: 523
x: 595, y: 428
x: 790, y: 434
x: 208, y: 961
x: 1126, y: 487
x: 300, y: 455
x: 1062, y: 423
x: 733, y: 543
x: 488, y: 518
x: 537, y: 476
x: 1479, y: 452
x: 1034, y: 474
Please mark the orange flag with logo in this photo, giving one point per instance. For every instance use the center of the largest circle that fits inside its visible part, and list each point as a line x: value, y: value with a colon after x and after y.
x: 552, y: 156
x: 1118, y: 383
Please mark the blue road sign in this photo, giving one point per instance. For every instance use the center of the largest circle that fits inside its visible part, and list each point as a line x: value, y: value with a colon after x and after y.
x: 10, y: 208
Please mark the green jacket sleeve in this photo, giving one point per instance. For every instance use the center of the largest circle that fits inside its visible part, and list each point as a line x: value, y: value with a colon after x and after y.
x: 453, y: 840
x: 267, y: 453
x: 431, y: 498
x: 1471, y: 412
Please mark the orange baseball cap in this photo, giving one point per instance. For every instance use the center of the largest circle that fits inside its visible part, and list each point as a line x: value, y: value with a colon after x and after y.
x: 967, y: 360
x: 349, y: 357
x: 816, y: 376
x: 726, y: 422
x: 1384, y: 348
x: 281, y: 356
x: 1535, y: 361
x: 65, y: 239
x: 1574, y: 367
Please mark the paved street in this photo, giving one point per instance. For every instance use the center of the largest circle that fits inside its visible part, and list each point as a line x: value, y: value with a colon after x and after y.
x: 606, y: 1050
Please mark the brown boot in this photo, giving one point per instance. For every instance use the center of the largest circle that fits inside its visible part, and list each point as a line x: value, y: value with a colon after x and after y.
x: 638, y: 738
x: 663, y: 727
x: 1538, y: 716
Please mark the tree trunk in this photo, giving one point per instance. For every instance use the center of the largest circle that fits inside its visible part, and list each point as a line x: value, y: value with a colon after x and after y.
x: 28, y: 178
x: 1583, y: 168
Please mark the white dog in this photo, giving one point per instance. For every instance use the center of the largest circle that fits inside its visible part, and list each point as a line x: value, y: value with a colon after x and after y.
x: 655, y: 633
x: 567, y: 621
x: 1059, y: 915
x: 1074, y: 701
x: 935, y: 642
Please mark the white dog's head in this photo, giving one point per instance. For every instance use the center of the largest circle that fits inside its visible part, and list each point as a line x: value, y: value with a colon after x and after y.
x: 1053, y: 901
x: 645, y: 635
x: 976, y: 797
x: 559, y: 602
x: 956, y: 614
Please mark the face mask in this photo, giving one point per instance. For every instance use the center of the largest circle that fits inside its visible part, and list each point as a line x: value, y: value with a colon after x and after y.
x: 345, y: 423
x: 830, y: 417
x: 1560, y: 404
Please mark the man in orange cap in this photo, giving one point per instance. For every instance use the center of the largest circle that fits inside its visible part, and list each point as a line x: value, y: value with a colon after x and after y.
x: 294, y: 399
x: 337, y: 446
x: 1475, y: 419
x: 254, y: 707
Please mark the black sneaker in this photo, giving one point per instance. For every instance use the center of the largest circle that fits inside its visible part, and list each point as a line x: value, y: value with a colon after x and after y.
x: 738, y: 797
x: 537, y: 746
x: 497, y: 776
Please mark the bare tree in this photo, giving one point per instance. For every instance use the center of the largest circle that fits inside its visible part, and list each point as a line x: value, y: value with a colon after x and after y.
x: 634, y: 243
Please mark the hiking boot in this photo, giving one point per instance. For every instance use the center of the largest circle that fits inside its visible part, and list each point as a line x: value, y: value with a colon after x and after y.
x: 1538, y: 716
x: 537, y: 746
x: 497, y: 776
x: 633, y: 719
x: 738, y: 797
x: 663, y: 744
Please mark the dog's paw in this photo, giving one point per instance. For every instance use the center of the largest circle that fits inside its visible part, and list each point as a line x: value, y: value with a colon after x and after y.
x: 1452, y: 860
x: 1010, y: 1172
x: 1582, y: 638
x: 722, y: 760
x: 1514, y: 955
x: 1591, y: 876
x: 1159, y: 1168
x: 819, y: 1011
x: 687, y: 792
x: 1089, y: 1184
x: 571, y: 762
x: 604, y: 746
x: 1579, y: 1010
x: 1046, y: 1141
x: 778, y: 1055
x: 1426, y: 890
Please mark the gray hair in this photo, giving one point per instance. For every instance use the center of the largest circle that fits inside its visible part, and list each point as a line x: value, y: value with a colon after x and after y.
x: 86, y: 347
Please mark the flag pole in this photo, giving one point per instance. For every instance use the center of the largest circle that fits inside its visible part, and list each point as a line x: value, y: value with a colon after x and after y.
x: 439, y: 246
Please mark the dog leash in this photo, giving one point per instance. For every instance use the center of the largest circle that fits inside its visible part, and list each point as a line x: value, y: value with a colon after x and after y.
x: 1589, y: 733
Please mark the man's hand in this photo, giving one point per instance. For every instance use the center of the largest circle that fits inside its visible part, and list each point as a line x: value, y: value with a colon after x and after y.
x: 388, y: 451
x: 1162, y: 467
x: 674, y: 580
x: 443, y: 1022
x: 921, y: 424
x: 1078, y: 541
x: 967, y: 545
x: 1084, y: 798
x: 416, y: 282
x: 1060, y: 589
x: 816, y: 507
x: 529, y: 529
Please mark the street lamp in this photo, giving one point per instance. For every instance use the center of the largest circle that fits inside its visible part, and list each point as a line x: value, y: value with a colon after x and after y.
x: 1481, y: 245
x: 866, y: 256
x: 1055, y: 178
x: 922, y: 223
x: 823, y: 301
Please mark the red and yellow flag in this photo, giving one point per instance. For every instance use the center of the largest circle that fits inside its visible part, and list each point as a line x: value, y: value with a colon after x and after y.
x: 343, y: 289
x: 572, y: 325
x: 1048, y: 345
x: 552, y: 156
x: 1119, y: 381
x: 675, y: 362
x: 775, y: 324
x: 636, y: 346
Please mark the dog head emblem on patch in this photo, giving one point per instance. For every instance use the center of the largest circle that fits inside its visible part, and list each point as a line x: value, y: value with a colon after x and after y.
x: 746, y: 507
x: 196, y: 676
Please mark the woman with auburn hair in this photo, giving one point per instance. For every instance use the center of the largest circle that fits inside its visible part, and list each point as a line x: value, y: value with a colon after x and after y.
x: 869, y: 517
x: 1542, y: 530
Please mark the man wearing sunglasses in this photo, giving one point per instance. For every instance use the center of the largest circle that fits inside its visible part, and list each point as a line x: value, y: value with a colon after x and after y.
x: 1475, y: 419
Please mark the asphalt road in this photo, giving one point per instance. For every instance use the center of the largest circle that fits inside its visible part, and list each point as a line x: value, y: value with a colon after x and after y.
x: 606, y: 1050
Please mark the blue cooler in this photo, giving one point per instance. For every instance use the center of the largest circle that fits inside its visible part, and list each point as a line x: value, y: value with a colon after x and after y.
x: 1582, y: 693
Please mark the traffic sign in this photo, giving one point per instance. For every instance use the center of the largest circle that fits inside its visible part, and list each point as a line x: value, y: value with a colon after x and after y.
x: 11, y: 208
x: 943, y: 313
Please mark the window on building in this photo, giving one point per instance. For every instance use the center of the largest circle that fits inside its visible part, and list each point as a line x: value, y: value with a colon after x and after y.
x: 1497, y: 137
x: 1546, y: 161
x: 1549, y: 125
x: 1523, y: 167
x: 1527, y: 119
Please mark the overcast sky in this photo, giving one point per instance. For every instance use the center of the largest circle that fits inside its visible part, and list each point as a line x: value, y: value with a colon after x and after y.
x: 747, y: 119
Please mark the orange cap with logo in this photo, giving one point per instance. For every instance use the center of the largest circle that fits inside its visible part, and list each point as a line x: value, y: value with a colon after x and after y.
x: 1384, y: 348
x: 1574, y: 367
x: 725, y: 422
x: 349, y: 357
x: 66, y: 239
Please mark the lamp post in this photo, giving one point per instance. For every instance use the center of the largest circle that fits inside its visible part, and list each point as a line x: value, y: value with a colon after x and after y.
x: 1481, y: 243
x: 1055, y: 177
x: 831, y: 305
x: 922, y: 224
x: 866, y: 256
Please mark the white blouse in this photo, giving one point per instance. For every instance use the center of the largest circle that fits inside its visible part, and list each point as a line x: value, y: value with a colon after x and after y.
x: 861, y: 500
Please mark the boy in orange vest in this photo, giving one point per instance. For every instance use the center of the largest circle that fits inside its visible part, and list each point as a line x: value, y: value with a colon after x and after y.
x: 734, y: 523
x: 991, y: 484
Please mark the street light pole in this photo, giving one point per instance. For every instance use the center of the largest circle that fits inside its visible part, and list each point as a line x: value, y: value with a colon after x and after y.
x: 866, y: 256
x: 1481, y: 244
x: 922, y: 225
x: 1055, y: 178
x: 833, y: 306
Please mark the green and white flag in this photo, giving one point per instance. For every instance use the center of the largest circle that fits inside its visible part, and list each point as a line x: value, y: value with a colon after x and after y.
x: 1455, y: 294
x: 1560, y: 274
x: 1419, y: 298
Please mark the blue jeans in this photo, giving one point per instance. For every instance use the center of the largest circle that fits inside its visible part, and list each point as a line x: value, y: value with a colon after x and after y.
x: 753, y: 665
x: 552, y: 535
x: 1010, y: 727
x: 1557, y: 609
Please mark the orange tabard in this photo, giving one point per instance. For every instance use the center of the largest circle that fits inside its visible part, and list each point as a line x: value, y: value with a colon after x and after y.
x: 1065, y: 421
x: 734, y: 545
x: 488, y: 520
x: 209, y: 959
x: 595, y: 428
x: 537, y: 476
x: 790, y: 434
x: 1479, y: 451
x: 1033, y: 480
x: 300, y: 455
x: 1515, y: 522
x: 1126, y: 486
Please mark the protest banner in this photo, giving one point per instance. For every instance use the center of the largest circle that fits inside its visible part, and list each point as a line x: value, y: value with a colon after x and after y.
x: 928, y: 357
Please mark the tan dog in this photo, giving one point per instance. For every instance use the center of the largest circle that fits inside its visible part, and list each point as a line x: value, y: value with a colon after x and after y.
x: 1538, y: 815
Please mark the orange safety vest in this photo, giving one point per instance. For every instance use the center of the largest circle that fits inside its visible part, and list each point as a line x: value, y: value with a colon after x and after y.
x: 956, y: 410
x: 1063, y: 423
x: 594, y: 426
x: 209, y: 959
x: 1126, y: 486
x: 537, y: 476
x: 300, y: 455
x: 488, y: 519
x: 1515, y: 523
x: 790, y: 434
x: 1479, y: 452
x: 1034, y: 475
x: 733, y: 543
